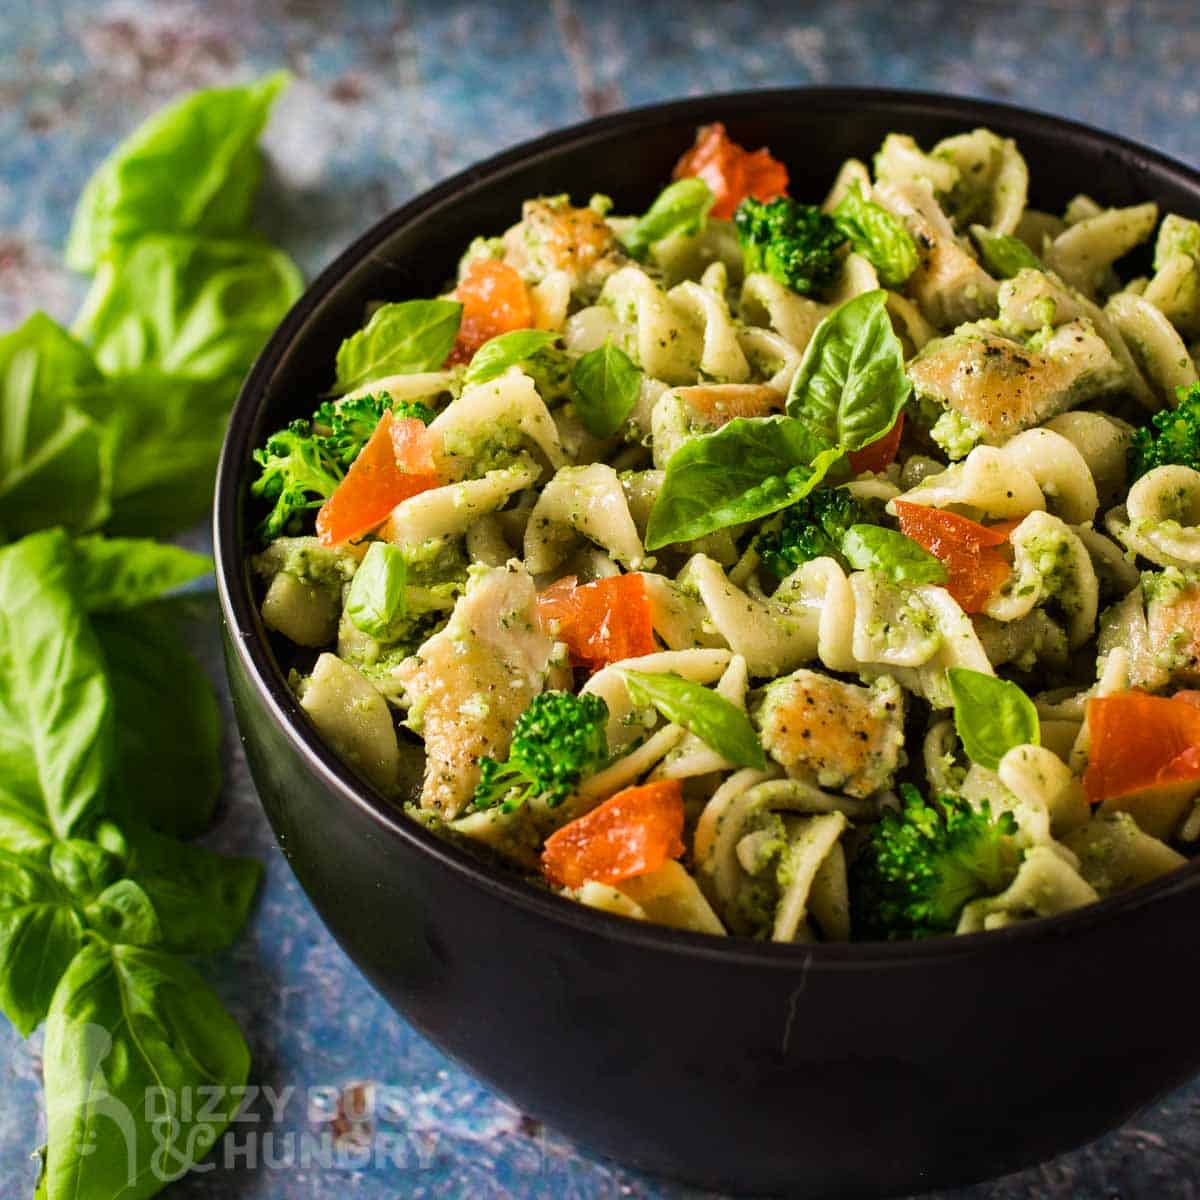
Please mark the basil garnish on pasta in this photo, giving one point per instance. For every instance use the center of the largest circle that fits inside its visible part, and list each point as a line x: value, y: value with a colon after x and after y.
x: 746, y: 470
x: 496, y: 356
x: 377, y: 596
x: 399, y: 339
x: 681, y: 207
x: 850, y: 385
x: 874, y: 548
x: 1004, y: 256
x: 877, y: 236
x: 991, y: 716
x: 606, y: 382
x: 847, y: 393
x: 718, y: 723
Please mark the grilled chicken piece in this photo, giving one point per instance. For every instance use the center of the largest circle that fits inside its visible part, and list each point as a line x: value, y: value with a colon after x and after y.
x: 1002, y: 386
x: 832, y: 734
x: 949, y: 286
x: 467, y: 684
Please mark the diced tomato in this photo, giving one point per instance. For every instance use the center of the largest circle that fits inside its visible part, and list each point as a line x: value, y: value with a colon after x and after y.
x: 495, y: 301
x: 881, y: 453
x: 601, y: 622
x: 975, y: 569
x: 1003, y: 529
x: 1138, y: 741
x: 730, y: 170
x: 396, y: 463
x: 632, y: 833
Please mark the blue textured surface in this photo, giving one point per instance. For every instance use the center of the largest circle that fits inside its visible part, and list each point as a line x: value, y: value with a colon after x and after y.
x: 389, y: 99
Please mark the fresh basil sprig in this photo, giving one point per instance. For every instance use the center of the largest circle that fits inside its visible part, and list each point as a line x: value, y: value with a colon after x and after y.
x: 55, y: 460
x: 875, y: 548
x: 57, y: 744
x: 1002, y: 255
x: 168, y: 1029
x: 494, y: 357
x: 113, y: 574
x: 107, y: 715
x: 194, y: 167
x: 195, y: 308
x: 606, y: 383
x: 991, y: 716
x: 850, y: 385
x: 109, y: 729
x: 878, y: 236
x: 399, y: 339
x: 681, y: 207
x: 719, y: 724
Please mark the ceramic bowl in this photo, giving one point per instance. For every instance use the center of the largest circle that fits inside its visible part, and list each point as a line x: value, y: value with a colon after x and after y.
x: 822, y: 1070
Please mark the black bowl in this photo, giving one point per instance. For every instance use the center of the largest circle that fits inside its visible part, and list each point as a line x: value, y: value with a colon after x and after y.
x: 843, y: 1070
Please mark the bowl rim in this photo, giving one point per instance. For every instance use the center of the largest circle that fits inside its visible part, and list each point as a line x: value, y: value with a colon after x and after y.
x: 248, y: 640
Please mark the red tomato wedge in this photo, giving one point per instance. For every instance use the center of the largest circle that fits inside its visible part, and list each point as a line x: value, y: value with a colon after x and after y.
x: 881, y: 453
x: 731, y: 171
x: 632, y: 833
x: 601, y: 622
x: 495, y: 301
x: 1139, y: 741
x: 397, y: 462
x: 964, y: 547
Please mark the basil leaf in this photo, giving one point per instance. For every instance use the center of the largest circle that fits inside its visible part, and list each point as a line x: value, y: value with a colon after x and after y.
x: 851, y: 386
x: 376, y: 599
x: 166, y: 434
x: 399, y: 339
x: 1003, y: 256
x: 187, y: 306
x: 168, y: 723
x: 202, y: 899
x: 127, y: 1023
x: 747, y: 469
x: 494, y: 357
x: 40, y: 933
x: 606, y: 382
x: 681, y: 207
x: 120, y: 573
x: 991, y: 716
x: 56, y: 707
x: 54, y: 458
x: 124, y: 915
x: 878, y: 236
x: 874, y: 548
x: 83, y: 868
x: 193, y: 167
x: 719, y: 724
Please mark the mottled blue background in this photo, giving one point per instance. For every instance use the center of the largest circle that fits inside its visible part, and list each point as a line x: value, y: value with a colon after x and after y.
x: 388, y: 99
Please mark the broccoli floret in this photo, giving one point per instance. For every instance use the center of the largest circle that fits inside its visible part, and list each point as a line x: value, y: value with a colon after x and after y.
x: 556, y: 741
x: 347, y: 426
x: 302, y: 464
x: 810, y: 528
x: 796, y: 244
x: 297, y: 473
x: 921, y: 866
x: 1172, y: 437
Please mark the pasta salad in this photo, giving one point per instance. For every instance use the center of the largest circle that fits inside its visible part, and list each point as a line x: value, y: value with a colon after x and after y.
x: 800, y: 571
